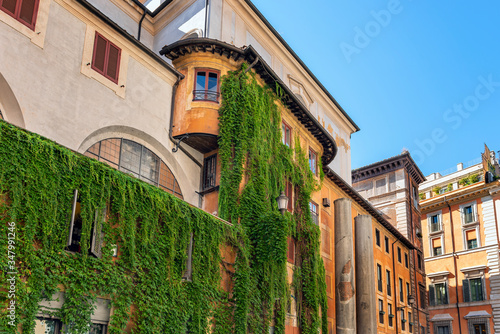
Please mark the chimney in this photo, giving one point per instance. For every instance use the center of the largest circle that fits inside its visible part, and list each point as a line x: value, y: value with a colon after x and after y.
x: 460, y: 166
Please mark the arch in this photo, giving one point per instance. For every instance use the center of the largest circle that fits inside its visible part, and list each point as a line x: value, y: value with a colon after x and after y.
x: 116, y: 131
x: 193, y: 33
x: 9, y: 106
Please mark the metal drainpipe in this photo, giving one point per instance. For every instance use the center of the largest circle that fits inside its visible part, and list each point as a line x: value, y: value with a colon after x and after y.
x: 454, y: 264
x: 172, y: 105
x: 410, y: 204
x: 205, y: 33
x: 394, y: 287
x: 140, y: 25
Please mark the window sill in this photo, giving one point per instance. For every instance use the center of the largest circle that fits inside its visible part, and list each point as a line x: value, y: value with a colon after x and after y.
x: 208, y: 190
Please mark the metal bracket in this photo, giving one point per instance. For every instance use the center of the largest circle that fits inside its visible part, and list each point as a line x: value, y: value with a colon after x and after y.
x: 178, y: 143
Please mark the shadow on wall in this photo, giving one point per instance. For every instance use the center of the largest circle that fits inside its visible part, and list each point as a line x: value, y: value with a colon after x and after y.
x: 11, y: 111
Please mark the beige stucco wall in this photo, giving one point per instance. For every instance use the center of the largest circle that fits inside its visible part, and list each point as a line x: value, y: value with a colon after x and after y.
x: 61, y: 98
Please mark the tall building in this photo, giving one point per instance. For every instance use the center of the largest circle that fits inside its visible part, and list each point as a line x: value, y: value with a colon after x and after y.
x: 460, y: 225
x: 391, y: 186
x: 140, y: 87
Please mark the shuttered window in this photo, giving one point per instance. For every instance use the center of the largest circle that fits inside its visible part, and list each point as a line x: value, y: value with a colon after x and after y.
x: 25, y: 11
x: 106, y: 58
x: 289, y: 194
x: 209, y: 172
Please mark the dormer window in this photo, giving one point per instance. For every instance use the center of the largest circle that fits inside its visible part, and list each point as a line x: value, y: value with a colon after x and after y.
x: 206, y: 86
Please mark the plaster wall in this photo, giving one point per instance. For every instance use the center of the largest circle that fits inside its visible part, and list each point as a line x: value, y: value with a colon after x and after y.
x: 76, y: 110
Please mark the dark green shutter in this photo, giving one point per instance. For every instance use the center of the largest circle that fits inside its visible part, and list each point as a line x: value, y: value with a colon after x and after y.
x: 432, y: 295
x: 446, y: 301
x: 466, y: 290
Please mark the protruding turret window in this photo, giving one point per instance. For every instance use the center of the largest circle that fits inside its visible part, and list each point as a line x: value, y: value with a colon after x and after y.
x: 206, y: 87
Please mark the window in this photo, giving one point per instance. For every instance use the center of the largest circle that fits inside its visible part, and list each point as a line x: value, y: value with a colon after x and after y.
x: 468, y: 214
x: 438, y: 294
x: 408, y: 293
x: 419, y: 261
x: 387, y: 244
x: 286, y: 134
x: 391, y: 316
x: 435, y: 223
x: 313, y: 161
x: 381, y: 311
x: 289, y: 194
x: 415, y: 197
x: 480, y: 329
x: 388, y: 278
x: 473, y: 289
x: 209, y: 171
x: 436, y: 247
x: 423, y: 296
x: 399, y: 255
x: 377, y: 237
x: 206, y: 86
x: 410, y: 323
x: 471, y: 239
x: 106, y: 58
x: 136, y: 160
x: 313, y: 207
x: 47, y: 326
x: 76, y: 226
x: 401, y: 292
x: 442, y: 329
x: 379, y: 277
x: 422, y: 329
x: 25, y: 11
x: 406, y: 260
x: 403, y: 320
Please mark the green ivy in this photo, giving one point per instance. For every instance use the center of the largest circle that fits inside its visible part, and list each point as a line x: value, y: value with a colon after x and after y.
x: 255, y: 167
x: 151, y: 227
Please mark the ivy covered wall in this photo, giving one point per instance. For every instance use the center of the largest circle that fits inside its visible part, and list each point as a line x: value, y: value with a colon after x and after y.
x: 152, y: 230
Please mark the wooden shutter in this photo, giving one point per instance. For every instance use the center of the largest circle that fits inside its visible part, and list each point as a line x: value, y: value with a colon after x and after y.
x: 113, y: 65
x: 27, y: 14
x: 99, y: 57
x: 289, y: 194
x: 466, y: 290
x: 432, y: 295
x: 9, y: 6
x: 97, y: 234
x: 291, y: 250
x: 72, y: 220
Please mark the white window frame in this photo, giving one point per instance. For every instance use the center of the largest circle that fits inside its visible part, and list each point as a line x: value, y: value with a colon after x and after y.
x: 472, y: 204
x: 431, y: 249
x: 478, y: 237
x: 474, y: 273
x: 440, y: 218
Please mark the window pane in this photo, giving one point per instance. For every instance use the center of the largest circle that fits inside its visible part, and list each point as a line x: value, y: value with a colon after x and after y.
x: 131, y: 156
x: 97, y: 329
x: 100, y: 53
x: 212, y: 82
x: 476, y: 289
x: 27, y: 11
x: 149, y: 166
x: 110, y: 152
x: 200, y: 80
x: 45, y: 326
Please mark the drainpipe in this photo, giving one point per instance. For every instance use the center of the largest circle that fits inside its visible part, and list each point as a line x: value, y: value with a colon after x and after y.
x: 205, y: 33
x: 178, y: 144
x: 415, y: 287
x: 454, y: 264
x: 394, y: 285
x: 140, y: 24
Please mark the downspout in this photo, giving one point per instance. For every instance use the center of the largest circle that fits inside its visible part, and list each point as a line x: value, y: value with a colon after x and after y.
x: 140, y: 24
x: 454, y: 264
x: 410, y: 204
x: 177, y: 143
x: 394, y: 287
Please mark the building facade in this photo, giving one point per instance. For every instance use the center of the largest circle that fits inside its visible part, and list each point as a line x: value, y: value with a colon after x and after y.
x: 460, y: 228
x: 391, y: 186
x: 140, y: 90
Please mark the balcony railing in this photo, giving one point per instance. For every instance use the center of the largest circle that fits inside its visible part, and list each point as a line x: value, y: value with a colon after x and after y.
x: 469, y: 218
x: 205, y: 95
x: 435, y: 227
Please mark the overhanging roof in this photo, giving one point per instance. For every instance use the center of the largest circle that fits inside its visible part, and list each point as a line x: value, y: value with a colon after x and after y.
x: 188, y: 46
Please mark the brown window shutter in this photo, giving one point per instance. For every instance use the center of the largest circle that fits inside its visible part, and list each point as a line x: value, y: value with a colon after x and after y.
x: 99, y: 59
x: 9, y: 6
x: 113, y: 62
x: 28, y: 12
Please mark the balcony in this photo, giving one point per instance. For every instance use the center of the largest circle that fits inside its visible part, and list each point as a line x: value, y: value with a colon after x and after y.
x: 435, y: 227
x: 206, y: 95
x: 469, y: 218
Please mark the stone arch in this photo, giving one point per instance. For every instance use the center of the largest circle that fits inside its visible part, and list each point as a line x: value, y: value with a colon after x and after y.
x: 188, y: 185
x: 9, y: 106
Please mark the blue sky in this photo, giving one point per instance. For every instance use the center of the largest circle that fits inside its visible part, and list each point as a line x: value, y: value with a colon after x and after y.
x: 416, y: 75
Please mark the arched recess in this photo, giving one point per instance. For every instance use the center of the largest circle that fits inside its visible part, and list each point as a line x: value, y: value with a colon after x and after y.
x: 9, y: 106
x: 188, y: 185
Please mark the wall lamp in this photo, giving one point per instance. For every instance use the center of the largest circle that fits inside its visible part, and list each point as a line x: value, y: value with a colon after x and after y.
x: 282, y: 202
x: 411, y: 301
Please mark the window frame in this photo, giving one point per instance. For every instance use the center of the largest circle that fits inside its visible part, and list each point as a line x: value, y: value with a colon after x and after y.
x: 17, y: 13
x: 217, y: 92
x: 433, y: 299
x: 287, y: 141
x: 380, y: 279
x: 58, y: 323
x: 388, y: 283
x: 474, y: 213
x: 469, y: 275
x: 387, y: 247
x: 390, y: 316
x: 314, y: 213
x: 377, y: 237
x: 381, y: 312
x: 211, y: 161
x: 313, y: 154
x: 401, y: 290
x: 106, y: 58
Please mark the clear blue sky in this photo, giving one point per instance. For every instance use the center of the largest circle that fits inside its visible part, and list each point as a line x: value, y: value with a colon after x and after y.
x: 420, y: 75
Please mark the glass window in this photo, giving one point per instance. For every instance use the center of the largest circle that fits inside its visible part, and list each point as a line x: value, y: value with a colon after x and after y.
x: 377, y: 237
x: 381, y: 311
x: 399, y: 255
x: 379, y: 277
x: 480, y: 329
x: 441, y: 294
x: 476, y: 289
x: 443, y: 330
x: 403, y: 320
x: 209, y: 171
x: 388, y: 278
x: 401, y: 292
x: 434, y: 223
x: 391, y: 316
x: 47, y: 326
x: 406, y: 260
x: 313, y: 207
x: 286, y: 134
x: 468, y: 216
x: 471, y: 243
x: 410, y: 323
x: 386, y: 244
x: 206, y: 86
x: 313, y: 161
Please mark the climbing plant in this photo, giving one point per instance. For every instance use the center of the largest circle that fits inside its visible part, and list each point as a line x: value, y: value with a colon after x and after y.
x: 255, y: 167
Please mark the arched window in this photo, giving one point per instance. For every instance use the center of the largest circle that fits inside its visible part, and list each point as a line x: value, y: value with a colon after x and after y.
x: 137, y: 160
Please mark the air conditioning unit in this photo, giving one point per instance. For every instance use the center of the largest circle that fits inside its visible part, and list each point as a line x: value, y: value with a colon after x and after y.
x: 326, y: 202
